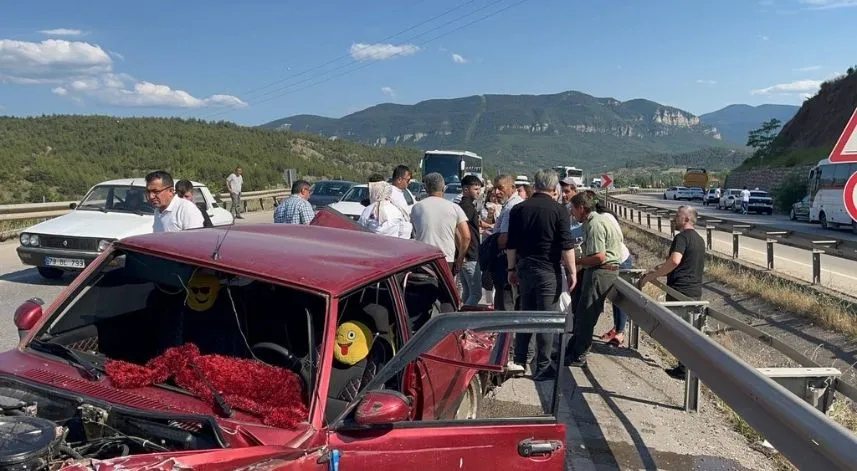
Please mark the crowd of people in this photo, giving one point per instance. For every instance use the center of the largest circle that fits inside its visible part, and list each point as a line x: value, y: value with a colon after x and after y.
x: 511, y: 243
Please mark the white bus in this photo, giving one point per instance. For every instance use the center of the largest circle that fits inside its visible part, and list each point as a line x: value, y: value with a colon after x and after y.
x: 452, y: 164
x: 826, y: 185
x: 574, y: 173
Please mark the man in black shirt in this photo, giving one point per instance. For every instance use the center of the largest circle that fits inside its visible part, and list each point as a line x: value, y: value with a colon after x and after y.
x: 684, y: 265
x: 538, y: 245
x: 471, y: 275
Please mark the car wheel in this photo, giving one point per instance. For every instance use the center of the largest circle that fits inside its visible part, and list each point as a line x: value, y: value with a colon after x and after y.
x: 468, y: 407
x: 822, y: 219
x: 50, y: 273
x: 854, y: 227
x: 792, y: 215
x: 665, y: 196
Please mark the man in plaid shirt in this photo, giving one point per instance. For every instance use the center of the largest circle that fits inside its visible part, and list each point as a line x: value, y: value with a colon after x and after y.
x: 295, y: 209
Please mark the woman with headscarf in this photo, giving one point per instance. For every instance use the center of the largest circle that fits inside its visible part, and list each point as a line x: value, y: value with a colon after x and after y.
x: 383, y: 216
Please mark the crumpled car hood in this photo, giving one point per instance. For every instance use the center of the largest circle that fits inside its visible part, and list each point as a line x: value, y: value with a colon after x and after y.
x: 258, y: 457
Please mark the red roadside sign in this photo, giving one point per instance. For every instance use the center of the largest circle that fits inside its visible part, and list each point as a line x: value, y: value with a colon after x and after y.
x: 849, y: 196
x: 845, y: 149
x: 606, y: 181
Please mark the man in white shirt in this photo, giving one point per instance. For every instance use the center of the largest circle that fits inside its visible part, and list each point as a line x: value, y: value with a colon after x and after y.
x: 441, y: 223
x: 234, y: 182
x: 401, y: 177
x: 745, y: 200
x: 172, y: 214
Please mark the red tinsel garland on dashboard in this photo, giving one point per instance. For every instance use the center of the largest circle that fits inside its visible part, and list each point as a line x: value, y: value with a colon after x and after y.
x: 273, y: 394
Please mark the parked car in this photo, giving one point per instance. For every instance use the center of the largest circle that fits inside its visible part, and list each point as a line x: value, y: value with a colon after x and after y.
x: 328, y: 192
x: 110, y: 211
x: 727, y: 198
x: 677, y: 193
x: 269, y: 346
x: 697, y: 193
x: 760, y: 202
x: 800, y: 210
x: 351, y: 205
x: 711, y: 196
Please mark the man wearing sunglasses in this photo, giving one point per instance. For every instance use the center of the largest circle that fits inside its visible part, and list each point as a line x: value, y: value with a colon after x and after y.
x: 171, y: 214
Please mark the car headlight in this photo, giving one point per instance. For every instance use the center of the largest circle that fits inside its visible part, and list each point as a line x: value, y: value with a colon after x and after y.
x: 103, y: 244
x: 25, y: 239
x: 34, y: 240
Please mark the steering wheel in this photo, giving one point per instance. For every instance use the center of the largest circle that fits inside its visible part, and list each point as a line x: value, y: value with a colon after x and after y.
x: 287, y: 359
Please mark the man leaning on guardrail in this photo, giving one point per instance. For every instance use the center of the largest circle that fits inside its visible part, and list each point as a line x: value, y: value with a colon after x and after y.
x: 684, y: 265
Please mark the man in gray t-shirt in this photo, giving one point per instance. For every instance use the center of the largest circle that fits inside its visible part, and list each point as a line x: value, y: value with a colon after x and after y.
x: 234, y: 183
x: 441, y: 223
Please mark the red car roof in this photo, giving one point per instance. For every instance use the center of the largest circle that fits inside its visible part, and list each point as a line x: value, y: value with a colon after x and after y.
x: 323, y: 259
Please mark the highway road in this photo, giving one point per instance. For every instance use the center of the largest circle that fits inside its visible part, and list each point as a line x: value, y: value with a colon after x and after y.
x: 836, y: 273
x: 20, y: 282
x: 783, y: 222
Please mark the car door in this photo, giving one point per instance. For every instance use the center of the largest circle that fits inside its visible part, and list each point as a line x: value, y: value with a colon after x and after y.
x: 218, y: 215
x: 367, y: 436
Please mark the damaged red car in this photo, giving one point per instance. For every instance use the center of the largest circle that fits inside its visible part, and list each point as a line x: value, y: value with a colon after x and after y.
x: 265, y: 347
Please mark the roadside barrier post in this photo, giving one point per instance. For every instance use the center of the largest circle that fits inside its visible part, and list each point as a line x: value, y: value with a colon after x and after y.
x: 708, y: 230
x: 639, y: 216
x: 648, y: 220
x: 692, y: 312
x: 816, y: 258
x: 735, y: 235
x: 633, y: 275
x: 770, y: 242
x: 659, y: 223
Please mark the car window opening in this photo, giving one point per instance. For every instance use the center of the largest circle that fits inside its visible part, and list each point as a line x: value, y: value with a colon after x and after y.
x: 151, y: 311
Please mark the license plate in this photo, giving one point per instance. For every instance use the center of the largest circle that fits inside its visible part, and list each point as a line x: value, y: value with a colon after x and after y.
x: 65, y: 262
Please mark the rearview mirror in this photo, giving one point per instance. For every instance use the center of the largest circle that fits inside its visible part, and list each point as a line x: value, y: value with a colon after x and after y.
x: 382, y: 408
x: 28, y: 315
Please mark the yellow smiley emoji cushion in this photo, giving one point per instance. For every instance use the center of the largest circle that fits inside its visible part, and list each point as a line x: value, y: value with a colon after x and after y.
x: 353, y: 341
x: 202, y: 291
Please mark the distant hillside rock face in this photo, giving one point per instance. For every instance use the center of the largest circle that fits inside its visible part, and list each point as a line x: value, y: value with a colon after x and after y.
x: 821, y: 119
x: 736, y: 121
x: 534, y: 129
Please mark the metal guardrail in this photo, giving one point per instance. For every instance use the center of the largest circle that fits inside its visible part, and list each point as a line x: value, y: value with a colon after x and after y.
x: 13, y: 212
x: 808, y: 438
x: 836, y: 247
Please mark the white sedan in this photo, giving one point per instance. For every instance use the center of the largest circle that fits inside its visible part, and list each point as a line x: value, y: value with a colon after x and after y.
x: 351, y: 204
x: 678, y: 193
x: 110, y: 211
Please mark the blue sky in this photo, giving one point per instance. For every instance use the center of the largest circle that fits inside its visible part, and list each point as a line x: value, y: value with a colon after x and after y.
x: 225, y: 60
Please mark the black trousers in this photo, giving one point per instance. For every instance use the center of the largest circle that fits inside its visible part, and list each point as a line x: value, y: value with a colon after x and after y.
x: 671, y: 298
x: 539, y: 288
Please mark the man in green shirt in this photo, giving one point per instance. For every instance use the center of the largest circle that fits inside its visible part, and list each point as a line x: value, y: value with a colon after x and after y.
x: 602, y: 249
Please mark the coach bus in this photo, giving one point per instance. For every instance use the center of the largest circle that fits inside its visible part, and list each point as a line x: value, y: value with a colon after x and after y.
x: 574, y: 173
x: 452, y: 164
x: 825, y: 187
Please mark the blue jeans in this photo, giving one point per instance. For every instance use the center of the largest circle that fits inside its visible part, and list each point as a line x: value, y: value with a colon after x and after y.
x: 471, y: 282
x: 620, y: 318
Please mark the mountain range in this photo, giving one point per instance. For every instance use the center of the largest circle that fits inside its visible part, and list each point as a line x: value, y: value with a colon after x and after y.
x: 522, y: 132
x: 736, y: 121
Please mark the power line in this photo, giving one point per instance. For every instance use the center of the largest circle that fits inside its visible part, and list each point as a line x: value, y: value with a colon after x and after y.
x: 345, y: 56
x: 274, y: 93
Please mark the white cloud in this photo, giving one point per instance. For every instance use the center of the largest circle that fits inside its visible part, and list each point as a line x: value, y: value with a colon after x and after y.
x: 116, y: 55
x: 388, y: 91
x: 706, y: 82
x: 50, y: 61
x: 459, y: 59
x: 763, y: 37
x: 828, y: 4
x: 798, y: 87
x: 62, y: 32
x: 808, y: 68
x: 83, y: 71
x: 379, y: 52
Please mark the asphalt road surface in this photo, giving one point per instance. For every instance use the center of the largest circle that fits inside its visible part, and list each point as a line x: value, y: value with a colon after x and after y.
x: 782, y: 222
x: 836, y: 273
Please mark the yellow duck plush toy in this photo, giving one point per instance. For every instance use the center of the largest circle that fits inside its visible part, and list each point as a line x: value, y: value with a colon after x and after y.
x: 353, y: 342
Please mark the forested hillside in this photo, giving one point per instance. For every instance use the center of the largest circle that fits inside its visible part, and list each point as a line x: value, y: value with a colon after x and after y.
x: 60, y: 157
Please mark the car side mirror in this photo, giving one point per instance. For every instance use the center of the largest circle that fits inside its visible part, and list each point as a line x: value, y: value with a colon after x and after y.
x: 72, y: 206
x: 382, y: 408
x: 28, y: 315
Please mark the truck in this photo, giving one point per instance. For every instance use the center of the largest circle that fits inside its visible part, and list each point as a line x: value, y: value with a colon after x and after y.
x: 696, y: 177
